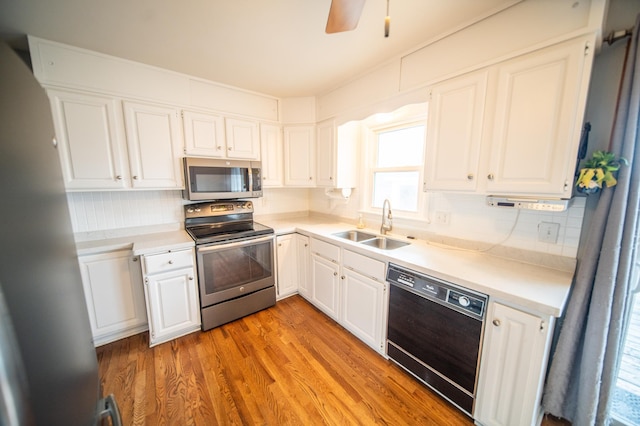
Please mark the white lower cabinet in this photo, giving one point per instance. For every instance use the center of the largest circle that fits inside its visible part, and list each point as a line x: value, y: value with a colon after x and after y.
x: 287, y: 259
x: 325, y: 277
x: 171, y: 290
x: 351, y: 289
x: 364, y: 301
x: 113, y: 290
x: 513, y: 366
x: 303, y: 252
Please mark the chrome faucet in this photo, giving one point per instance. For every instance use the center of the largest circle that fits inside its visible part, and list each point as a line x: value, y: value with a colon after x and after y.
x: 386, y: 219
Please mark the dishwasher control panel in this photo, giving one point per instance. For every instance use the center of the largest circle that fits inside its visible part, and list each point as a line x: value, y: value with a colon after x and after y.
x: 446, y: 293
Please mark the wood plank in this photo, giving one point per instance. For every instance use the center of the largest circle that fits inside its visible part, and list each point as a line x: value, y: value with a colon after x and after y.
x: 286, y: 365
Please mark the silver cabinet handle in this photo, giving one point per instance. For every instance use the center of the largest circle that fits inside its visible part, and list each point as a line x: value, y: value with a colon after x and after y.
x: 135, y: 178
x: 54, y: 141
x: 490, y: 176
x: 496, y: 322
x: 119, y: 177
x: 470, y: 176
x: 335, y: 274
x: 190, y: 278
x: 135, y: 259
x: 171, y: 262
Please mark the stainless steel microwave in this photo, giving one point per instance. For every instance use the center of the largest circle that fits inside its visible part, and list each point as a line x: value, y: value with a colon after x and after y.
x: 218, y: 179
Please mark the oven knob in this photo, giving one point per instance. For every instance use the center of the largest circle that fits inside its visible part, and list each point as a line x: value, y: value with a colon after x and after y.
x: 247, y: 205
x: 197, y: 209
x: 464, y: 301
x: 189, y: 210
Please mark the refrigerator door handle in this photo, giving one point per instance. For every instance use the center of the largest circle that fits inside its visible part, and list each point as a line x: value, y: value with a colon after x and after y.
x: 109, y: 408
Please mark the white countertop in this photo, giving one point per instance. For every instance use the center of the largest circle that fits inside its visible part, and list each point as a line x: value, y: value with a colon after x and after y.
x: 537, y: 288
x: 140, y: 244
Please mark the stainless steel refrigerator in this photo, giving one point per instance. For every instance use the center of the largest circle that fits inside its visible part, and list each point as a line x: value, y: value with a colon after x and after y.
x: 48, y: 364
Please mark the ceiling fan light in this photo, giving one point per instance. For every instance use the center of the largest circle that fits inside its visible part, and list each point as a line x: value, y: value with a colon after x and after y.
x: 344, y: 15
x: 387, y: 22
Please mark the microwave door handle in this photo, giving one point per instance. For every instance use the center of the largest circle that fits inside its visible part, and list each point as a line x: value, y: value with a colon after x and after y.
x: 224, y: 246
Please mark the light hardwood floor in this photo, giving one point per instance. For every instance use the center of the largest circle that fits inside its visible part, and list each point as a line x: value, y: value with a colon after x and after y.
x: 286, y: 365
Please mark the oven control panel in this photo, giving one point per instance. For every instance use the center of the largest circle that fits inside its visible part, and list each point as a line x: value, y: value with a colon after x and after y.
x: 219, y: 208
x: 445, y: 293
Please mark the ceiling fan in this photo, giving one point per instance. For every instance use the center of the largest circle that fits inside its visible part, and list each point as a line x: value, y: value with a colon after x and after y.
x: 345, y: 14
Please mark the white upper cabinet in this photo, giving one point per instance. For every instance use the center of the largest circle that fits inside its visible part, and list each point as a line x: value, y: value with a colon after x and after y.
x: 454, y: 133
x: 271, y: 154
x: 243, y: 139
x: 155, y: 145
x: 336, y: 155
x: 299, y: 156
x: 538, y: 116
x: 203, y: 134
x: 513, y: 128
x: 90, y: 139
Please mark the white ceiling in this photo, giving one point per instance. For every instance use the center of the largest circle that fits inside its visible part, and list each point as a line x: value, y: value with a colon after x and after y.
x: 276, y: 47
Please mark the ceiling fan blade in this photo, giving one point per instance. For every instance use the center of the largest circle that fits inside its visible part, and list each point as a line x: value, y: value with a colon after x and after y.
x: 344, y: 15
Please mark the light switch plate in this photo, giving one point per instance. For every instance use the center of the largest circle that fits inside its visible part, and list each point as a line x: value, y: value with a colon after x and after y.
x: 548, y: 232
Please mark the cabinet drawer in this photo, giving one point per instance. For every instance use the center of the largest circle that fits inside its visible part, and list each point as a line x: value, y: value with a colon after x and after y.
x: 168, y: 261
x: 364, y: 265
x: 326, y: 250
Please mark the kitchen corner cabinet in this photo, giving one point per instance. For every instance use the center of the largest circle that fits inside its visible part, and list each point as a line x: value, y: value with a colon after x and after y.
x: 364, y: 298
x: 531, y: 125
x: 303, y: 251
x: 171, y: 291
x: 325, y: 277
x: 155, y: 145
x: 243, y: 139
x: 271, y: 152
x: 113, y: 291
x: 513, y: 367
x: 299, y: 156
x: 287, y: 258
x: 203, y: 134
x: 336, y: 155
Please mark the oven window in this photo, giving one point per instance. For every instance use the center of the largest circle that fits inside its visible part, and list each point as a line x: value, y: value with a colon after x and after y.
x: 219, y: 179
x: 228, y: 268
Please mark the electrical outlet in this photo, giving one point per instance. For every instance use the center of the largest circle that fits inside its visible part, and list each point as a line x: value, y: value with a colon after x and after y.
x: 548, y: 232
x: 443, y: 217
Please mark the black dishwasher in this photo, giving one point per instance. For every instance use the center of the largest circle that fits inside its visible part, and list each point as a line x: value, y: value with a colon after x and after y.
x: 435, y: 332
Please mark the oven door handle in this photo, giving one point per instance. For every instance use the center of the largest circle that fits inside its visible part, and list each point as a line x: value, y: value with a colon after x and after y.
x: 224, y: 246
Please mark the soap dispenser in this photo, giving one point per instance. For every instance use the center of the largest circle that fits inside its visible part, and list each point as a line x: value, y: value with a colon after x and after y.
x: 361, y: 224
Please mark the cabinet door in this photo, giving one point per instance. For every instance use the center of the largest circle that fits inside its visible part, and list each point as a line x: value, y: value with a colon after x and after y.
x: 203, y: 134
x: 326, y: 154
x: 325, y: 285
x: 91, y: 144
x: 299, y: 160
x: 271, y: 154
x: 539, y: 110
x: 363, y: 308
x: 287, y: 265
x: 303, y: 253
x: 454, y: 133
x: 243, y: 139
x: 113, y: 290
x: 512, y: 368
x: 154, y: 145
x: 173, y: 304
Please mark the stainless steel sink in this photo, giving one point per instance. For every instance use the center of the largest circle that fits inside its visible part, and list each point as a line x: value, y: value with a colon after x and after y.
x: 356, y: 236
x: 385, y: 243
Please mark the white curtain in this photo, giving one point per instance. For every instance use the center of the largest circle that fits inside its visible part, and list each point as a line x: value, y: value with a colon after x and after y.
x: 583, y: 367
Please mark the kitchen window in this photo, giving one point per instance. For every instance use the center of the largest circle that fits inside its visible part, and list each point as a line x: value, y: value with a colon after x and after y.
x: 396, y: 167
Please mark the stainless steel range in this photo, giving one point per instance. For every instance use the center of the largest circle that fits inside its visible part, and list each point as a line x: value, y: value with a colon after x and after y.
x: 235, y: 260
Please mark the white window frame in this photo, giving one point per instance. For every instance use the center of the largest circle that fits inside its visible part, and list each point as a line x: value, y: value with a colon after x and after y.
x: 371, y: 151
